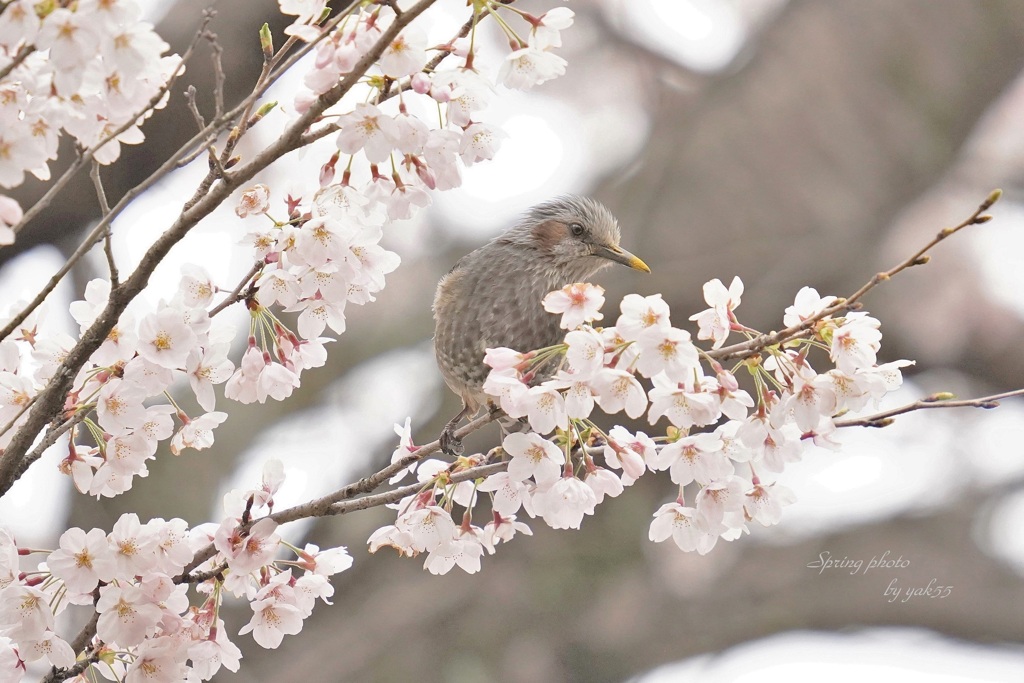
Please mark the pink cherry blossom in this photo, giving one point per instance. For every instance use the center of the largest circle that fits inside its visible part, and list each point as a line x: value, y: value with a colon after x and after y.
x: 629, y: 453
x: 544, y: 408
x: 668, y: 350
x: 856, y: 342
x: 369, y: 129
x: 764, y: 503
x: 197, y: 433
x: 716, y: 321
x: 464, y: 552
x: 616, y: 390
x: 533, y: 456
x: 578, y: 303
x: 530, y: 66
x: 694, y: 458
x: 564, y: 503
x: 508, y: 492
x: 640, y: 313
x: 684, y: 527
x: 82, y: 560
x: 127, y: 617
x: 683, y: 408
x: 165, y: 339
x: 585, y: 352
x: 807, y: 304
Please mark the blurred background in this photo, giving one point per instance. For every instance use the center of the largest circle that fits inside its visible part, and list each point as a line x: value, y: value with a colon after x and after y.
x: 791, y: 143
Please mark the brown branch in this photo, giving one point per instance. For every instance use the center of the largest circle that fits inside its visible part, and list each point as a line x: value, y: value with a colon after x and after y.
x: 757, y: 344
x: 322, y: 507
x: 885, y: 418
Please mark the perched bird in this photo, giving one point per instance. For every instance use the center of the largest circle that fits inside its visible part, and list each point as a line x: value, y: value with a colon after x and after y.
x: 492, y: 297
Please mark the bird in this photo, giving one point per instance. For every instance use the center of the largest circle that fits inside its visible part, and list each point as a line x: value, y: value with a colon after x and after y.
x: 492, y: 296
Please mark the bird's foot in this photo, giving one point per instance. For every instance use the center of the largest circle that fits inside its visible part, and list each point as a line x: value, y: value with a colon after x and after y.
x: 451, y: 444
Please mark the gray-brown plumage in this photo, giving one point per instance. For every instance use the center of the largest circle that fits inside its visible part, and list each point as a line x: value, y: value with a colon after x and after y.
x: 492, y: 297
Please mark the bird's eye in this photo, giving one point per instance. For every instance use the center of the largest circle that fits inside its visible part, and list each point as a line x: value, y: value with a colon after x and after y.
x: 577, y: 229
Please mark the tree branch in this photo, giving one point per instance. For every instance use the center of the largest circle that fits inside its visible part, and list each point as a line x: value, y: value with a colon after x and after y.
x: 760, y: 342
x: 885, y: 418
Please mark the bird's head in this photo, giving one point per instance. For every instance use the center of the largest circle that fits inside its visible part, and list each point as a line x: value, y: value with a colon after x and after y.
x: 577, y: 234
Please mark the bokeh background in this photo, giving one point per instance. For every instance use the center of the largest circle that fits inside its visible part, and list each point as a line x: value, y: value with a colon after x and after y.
x: 807, y: 142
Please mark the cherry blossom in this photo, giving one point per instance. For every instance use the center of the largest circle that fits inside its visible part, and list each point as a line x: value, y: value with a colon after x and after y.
x: 368, y: 129
x: 716, y: 321
x: 585, y: 353
x: 617, y: 390
x: 50, y: 648
x: 807, y: 304
x: 254, y: 201
x: 668, y: 350
x: 629, y: 453
x: 684, y: 527
x: 578, y: 303
x: 165, y: 339
x: 197, y: 433
x: 126, y: 615
x: 640, y: 313
x: 856, y: 342
x: 683, y: 408
x: 546, y: 32
x: 529, y: 66
x: 508, y: 491
x: 699, y: 457
x: 564, y: 503
x: 25, y: 612
x: 464, y: 552
x: 544, y: 408
x: 503, y: 529
x: 532, y: 456
x: 764, y: 503
x: 82, y: 560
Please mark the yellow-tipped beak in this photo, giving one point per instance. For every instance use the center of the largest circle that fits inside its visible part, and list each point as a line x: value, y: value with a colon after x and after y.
x: 620, y: 255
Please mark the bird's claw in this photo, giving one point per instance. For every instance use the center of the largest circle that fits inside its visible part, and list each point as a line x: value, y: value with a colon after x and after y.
x: 451, y: 444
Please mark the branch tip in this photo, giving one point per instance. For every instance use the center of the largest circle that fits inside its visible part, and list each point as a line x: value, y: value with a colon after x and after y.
x: 991, y: 199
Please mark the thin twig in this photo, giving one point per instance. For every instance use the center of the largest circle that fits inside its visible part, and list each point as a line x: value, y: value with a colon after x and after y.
x: 55, y: 431
x: 21, y: 412
x: 218, y: 74
x: 190, y: 102
x: 101, y: 197
x: 755, y: 345
x: 884, y: 418
x: 236, y: 294
x: 22, y: 55
x: 395, y: 495
x: 322, y: 506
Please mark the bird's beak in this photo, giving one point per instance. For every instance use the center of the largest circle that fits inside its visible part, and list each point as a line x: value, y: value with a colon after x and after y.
x: 620, y: 255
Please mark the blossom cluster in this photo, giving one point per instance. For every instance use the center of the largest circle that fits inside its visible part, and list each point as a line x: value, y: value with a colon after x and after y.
x: 723, y: 448
x: 421, y: 120
x: 321, y: 255
x: 86, y: 69
x: 148, y: 627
